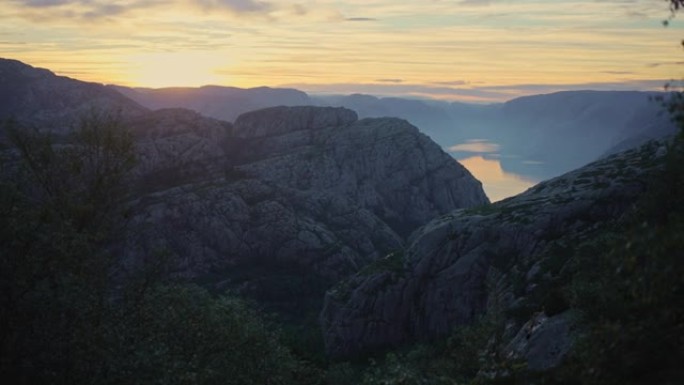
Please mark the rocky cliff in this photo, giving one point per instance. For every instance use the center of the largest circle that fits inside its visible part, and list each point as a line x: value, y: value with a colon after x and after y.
x: 503, y: 256
x: 283, y: 203
x: 305, y: 187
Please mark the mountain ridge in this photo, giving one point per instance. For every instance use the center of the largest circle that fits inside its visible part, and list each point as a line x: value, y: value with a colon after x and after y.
x: 538, y: 136
x: 458, y: 266
x: 307, y: 187
x: 39, y: 97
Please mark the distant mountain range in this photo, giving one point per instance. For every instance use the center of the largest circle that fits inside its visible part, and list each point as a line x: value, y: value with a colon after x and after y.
x: 539, y: 136
x: 225, y: 103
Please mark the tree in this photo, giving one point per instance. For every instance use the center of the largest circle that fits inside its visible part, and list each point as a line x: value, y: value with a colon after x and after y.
x: 676, y: 5
x: 59, y: 203
x: 68, y: 319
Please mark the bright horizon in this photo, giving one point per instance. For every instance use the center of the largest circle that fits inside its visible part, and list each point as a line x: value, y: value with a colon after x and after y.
x: 464, y: 50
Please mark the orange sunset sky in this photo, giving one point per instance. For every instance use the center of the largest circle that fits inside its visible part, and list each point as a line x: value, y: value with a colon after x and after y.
x: 468, y: 50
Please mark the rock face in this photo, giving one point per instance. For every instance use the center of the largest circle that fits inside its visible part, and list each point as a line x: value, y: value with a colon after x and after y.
x: 283, y: 120
x: 542, y: 342
x: 176, y: 146
x: 305, y: 186
x: 462, y: 263
x: 279, y: 206
x: 262, y: 206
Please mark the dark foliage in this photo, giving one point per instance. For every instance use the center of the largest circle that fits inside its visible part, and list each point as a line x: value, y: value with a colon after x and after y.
x: 70, y: 316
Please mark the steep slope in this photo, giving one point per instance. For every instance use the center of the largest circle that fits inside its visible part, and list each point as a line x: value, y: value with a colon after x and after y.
x: 225, y: 103
x: 38, y: 97
x: 566, y: 130
x: 176, y: 146
x: 504, y: 256
x: 286, y: 195
x: 386, y: 165
x: 301, y: 186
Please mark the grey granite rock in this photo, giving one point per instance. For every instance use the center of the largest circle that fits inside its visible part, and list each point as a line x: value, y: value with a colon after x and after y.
x: 462, y: 263
x: 304, y: 186
x: 542, y: 342
x: 281, y: 120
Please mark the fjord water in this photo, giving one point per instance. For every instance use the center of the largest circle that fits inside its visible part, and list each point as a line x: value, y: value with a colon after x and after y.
x: 497, y: 183
x: 488, y: 162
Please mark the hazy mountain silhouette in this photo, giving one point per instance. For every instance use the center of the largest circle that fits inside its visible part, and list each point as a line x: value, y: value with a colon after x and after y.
x: 538, y: 136
x: 38, y: 96
x: 566, y: 130
x: 225, y: 103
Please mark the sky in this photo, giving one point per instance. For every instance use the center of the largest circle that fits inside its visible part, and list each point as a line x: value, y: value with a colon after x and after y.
x: 465, y: 50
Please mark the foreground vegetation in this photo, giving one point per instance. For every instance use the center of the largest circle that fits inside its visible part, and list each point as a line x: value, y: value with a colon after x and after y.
x: 73, y: 313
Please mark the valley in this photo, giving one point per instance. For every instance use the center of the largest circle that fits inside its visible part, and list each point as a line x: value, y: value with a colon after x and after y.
x: 332, y: 239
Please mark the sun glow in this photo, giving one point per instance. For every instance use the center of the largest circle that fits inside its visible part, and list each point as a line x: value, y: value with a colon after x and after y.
x: 177, y: 69
x: 452, y: 50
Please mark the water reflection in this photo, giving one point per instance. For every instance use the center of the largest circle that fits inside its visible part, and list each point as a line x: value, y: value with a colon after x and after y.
x: 497, y: 183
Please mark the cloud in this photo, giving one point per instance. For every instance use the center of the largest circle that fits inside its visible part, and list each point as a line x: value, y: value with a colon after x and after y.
x: 619, y: 72
x: 104, y: 10
x: 671, y: 63
x: 46, y: 3
x: 627, y: 85
x: 98, y: 9
x: 437, y: 48
x: 360, y: 19
x: 484, y: 94
x: 508, y: 92
x: 236, y: 6
x: 403, y: 90
x: 452, y: 83
x: 80, y: 9
x: 476, y: 146
x: 475, y: 2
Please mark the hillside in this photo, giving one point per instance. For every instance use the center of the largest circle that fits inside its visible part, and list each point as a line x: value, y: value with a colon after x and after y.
x: 506, y: 255
x: 570, y: 129
x: 569, y: 283
x: 148, y: 244
x: 38, y: 97
x: 281, y: 193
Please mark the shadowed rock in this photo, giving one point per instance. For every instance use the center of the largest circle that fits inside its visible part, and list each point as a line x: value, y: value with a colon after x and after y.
x: 282, y: 120
x: 460, y: 264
